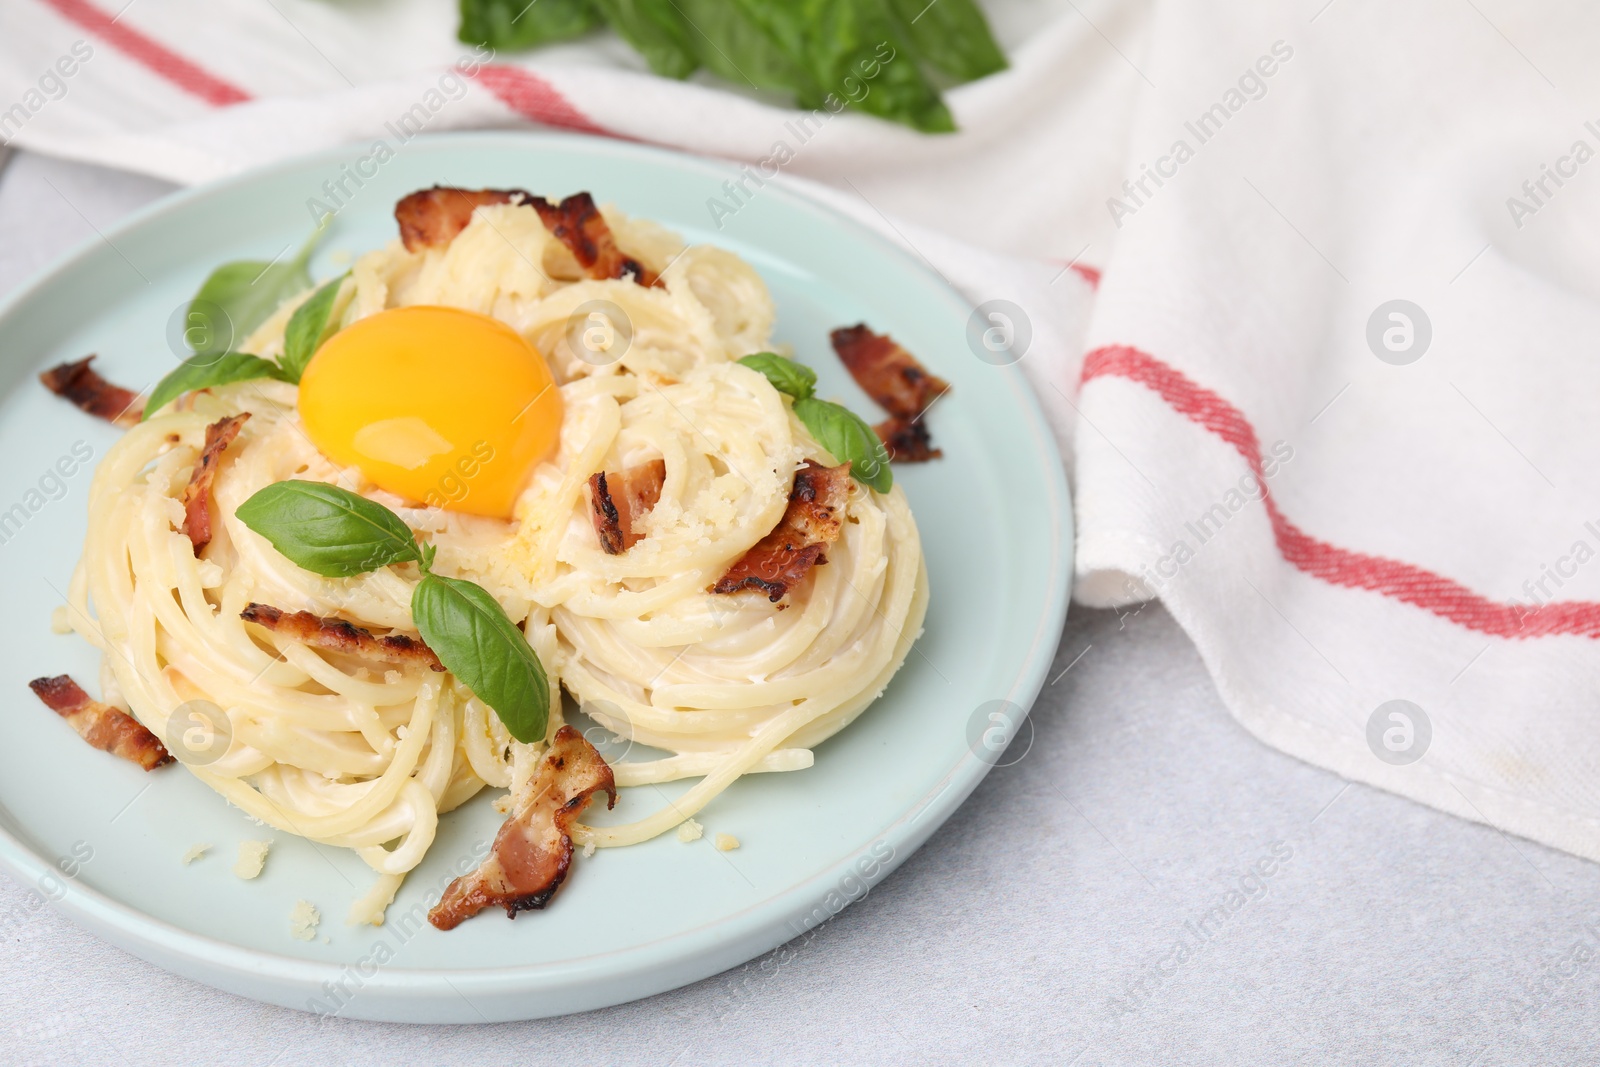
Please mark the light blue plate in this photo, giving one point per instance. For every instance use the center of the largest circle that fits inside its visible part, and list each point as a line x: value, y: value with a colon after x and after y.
x: 103, y: 841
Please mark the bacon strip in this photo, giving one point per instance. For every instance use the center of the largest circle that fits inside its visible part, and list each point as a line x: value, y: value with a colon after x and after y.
x: 898, y: 383
x: 907, y: 440
x: 532, y: 852
x: 196, y: 503
x: 431, y: 218
x: 618, y: 500
x: 889, y: 374
x: 81, y: 384
x: 103, y: 726
x: 813, y: 520
x: 336, y: 635
x: 578, y: 224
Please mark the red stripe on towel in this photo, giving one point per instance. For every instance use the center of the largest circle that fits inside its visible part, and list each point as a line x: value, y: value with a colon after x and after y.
x: 534, y: 98
x: 1431, y: 592
x: 149, y: 53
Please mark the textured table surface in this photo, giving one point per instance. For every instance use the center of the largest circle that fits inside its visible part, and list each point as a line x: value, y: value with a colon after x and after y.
x: 1098, y: 901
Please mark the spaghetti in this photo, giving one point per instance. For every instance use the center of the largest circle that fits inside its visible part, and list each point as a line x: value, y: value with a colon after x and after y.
x: 345, y: 751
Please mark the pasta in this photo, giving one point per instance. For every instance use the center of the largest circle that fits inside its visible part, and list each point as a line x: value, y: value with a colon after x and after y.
x: 368, y: 756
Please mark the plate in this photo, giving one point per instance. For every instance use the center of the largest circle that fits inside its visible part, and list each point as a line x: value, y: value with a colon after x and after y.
x: 104, y: 842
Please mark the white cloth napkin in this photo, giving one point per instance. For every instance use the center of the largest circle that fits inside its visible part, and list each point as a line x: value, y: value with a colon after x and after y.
x: 1330, y: 403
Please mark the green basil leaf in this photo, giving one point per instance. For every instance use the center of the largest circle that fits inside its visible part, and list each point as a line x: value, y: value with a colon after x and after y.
x: 847, y: 437
x: 203, y: 372
x: 470, y: 633
x: 759, y: 43
x: 239, y: 296
x: 513, y: 24
x: 308, y: 328
x: 656, y: 30
x: 328, y: 530
x: 950, y: 36
x: 827, y: 53
x: 786, y: 376
x: 858, y: 55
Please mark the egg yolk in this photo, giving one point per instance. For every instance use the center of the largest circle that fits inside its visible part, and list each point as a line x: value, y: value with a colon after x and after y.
x: 442, y: 406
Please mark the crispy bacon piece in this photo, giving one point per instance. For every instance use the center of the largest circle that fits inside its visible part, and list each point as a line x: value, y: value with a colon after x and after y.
x: 813, y: 519
x: 532, y: 852
x: 578, y: 224
x: 889, y: 374
x: 431, y: 218
x: 907, y: 440
x: 336, y: 635
x: 103, y: 726
x: 618, y: 500
x: 196, y: 496
x: 81, y: 384
x: 900, y: 385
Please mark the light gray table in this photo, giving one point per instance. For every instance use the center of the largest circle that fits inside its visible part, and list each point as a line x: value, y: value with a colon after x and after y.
x: 1042, y: 924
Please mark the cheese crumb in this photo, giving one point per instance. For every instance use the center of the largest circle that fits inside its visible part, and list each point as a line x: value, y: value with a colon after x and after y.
x: 726, y: 842
x: 194, y: 853
x: 690, y: 830
x: 588, y: 850
x: 303, y: 921
x: 252, y: 857
x: 59, y: 622
x: 209, y: 573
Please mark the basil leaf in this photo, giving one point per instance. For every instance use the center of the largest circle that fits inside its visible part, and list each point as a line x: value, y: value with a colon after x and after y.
x: 470, y: 633
x: 759, y: 43
x: 657, y: 31
x: 328, y: 530
x: 203, y: 372
x: 827, y: 53
x: 858, y: 55
x: 786, y: 375
x: 308, y: 328
x: 522, y: 24
x: 239, y: 296
x: 951, y: 36
x: 843, y: 433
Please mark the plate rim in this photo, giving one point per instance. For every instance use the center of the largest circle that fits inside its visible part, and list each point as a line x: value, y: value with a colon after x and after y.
x: 166, y: 945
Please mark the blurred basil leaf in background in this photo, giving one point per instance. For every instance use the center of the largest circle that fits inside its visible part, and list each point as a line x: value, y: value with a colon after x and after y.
x: 657, y: 31
x: 951, y: 36
x: 514, y: 24
x: 874, y: 56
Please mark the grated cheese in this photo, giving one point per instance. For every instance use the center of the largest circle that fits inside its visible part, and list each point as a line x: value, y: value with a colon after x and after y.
x: 303, y: 921
x: 252, y: 857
